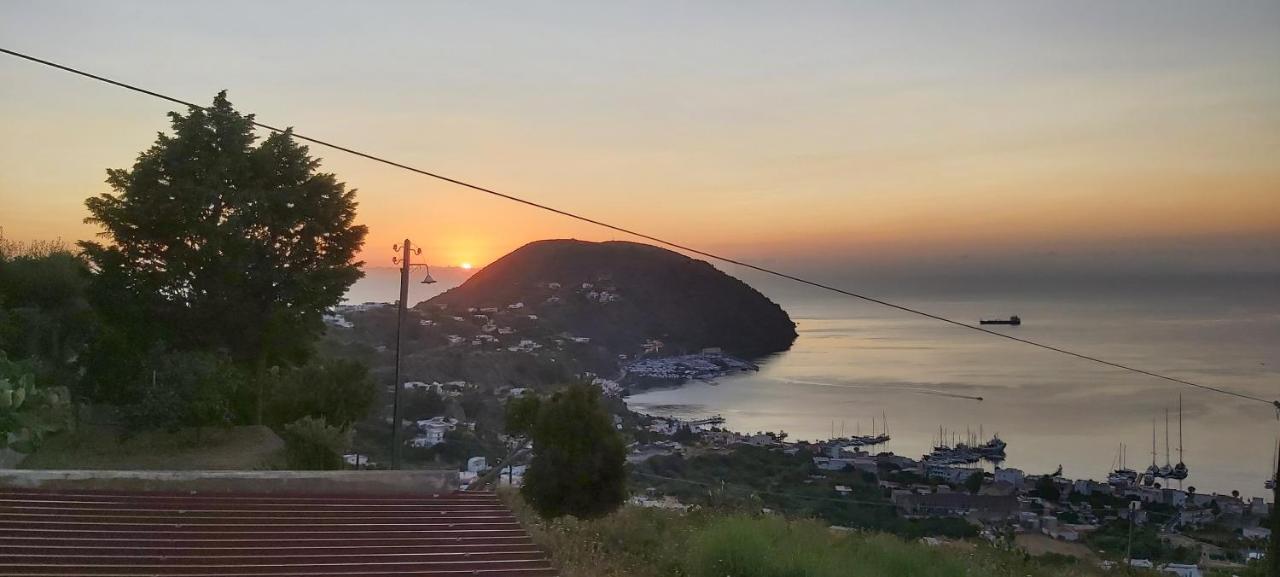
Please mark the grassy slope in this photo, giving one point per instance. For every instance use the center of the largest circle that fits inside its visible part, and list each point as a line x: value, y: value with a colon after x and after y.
x: 100, y: 447
x: 637, y: 542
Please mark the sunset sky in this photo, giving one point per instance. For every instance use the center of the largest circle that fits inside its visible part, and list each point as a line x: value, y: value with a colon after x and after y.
x: 794, y: 133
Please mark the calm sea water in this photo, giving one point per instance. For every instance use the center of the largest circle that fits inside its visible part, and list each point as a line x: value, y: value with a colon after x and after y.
x: 855, y: 361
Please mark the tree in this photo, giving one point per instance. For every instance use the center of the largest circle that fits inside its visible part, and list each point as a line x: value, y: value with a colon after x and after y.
x: 974, y: 483
x: 1046, y: 489
x: 420, y: 404
x: 522, y: 415
x: 336, y: 390
x: 44, y: 311
x: 578, y: 457
x: 186, y: 389
x: 218, y: 244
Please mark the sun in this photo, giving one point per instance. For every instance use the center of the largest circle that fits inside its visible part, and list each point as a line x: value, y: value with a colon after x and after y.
x: 466, y: 266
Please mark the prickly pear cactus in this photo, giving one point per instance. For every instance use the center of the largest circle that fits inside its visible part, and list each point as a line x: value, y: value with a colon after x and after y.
x: 28, y: 413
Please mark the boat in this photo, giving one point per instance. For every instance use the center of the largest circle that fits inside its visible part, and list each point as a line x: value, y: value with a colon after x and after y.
x: 1180, y: 470
x: 966, y: 452
x: 873, y: 438
x: 1122, y: 475
x: 1014, y: 320
x: 993, y: 449
x: 1153, y: 471
x: 1275, y: 469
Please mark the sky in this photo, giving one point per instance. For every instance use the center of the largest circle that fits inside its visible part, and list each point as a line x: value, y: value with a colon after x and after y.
x: 800, y: 135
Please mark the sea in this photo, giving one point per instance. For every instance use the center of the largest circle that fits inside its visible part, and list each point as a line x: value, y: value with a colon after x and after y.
x: 858, y: 365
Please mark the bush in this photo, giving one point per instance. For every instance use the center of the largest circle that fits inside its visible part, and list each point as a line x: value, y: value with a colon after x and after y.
x: 774, y: 547
x: 311, y: 444
x: 186, y: 390
x: 578, y: 457
x: 338, y: 391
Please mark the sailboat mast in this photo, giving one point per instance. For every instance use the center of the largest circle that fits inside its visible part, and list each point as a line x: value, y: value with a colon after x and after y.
x: 1166, y: 437
x: 1180, y: 428
x: 1153, y: 442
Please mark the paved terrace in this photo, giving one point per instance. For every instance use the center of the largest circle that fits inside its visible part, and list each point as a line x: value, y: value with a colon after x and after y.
x: 93, y: 532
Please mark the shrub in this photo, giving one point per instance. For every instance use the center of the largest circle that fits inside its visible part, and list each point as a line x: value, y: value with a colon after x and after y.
x: 311, y: 444
x: 338, y: 391
x: 774, y: 547
x: 186, y: 390
x: 578, y: 457
x: 28, y: 412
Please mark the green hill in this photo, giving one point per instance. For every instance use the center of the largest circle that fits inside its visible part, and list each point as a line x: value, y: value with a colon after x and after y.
x: 622, y: 294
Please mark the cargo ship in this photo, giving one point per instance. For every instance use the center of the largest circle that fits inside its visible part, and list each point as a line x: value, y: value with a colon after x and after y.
x: 1013, y: 320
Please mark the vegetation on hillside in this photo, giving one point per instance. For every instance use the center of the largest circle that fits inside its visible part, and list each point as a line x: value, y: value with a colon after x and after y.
x: 755, y: 477
x: 644, y: 542
x: 201, y: 306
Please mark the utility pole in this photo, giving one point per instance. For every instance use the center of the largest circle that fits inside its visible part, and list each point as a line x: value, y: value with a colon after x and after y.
x: 1273, y: 545
x: 406, y: 250
x: 1128, y: 549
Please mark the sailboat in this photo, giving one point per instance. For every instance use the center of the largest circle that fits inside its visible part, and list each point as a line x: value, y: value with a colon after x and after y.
x: 1122, y: 475
x: 1167, y: 469
x: 1149, y: 478
x: 1179, y: 471
x: 1271, y: 483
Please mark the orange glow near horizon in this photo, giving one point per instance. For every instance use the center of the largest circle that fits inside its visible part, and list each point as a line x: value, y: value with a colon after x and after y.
x: 875, y: 132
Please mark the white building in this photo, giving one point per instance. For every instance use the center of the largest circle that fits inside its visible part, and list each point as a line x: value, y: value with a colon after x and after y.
x: 1011, y: 476
x: 1181, y: 570
x: 356, y: 460
x: 432, y: 431
x: 337, y: 321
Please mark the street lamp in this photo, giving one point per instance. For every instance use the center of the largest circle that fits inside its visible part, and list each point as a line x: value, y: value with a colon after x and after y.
x: 406, y: 250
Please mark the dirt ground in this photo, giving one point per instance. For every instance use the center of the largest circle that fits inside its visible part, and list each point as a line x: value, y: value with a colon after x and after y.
x: 1038, y: 544
x: 102, y: 447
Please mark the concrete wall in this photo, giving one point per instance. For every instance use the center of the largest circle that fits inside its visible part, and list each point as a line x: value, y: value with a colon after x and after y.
x: 214, y: 482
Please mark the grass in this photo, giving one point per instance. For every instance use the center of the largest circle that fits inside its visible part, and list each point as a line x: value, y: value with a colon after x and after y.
x: 639, y: 542
x: 102, y: 447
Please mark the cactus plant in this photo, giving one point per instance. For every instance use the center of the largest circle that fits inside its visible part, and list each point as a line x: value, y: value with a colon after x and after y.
x: 27, y: 412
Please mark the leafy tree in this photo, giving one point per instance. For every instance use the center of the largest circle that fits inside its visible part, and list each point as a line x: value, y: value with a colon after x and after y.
x: 44, y: 312
x: 578, y: 457
x: 337, y: 390
x: 219, y: 243
x: 974, y: 483
x: 419, y: 404
x: 522, y: 415
x: 1046, y: 489
x: 186, y: 389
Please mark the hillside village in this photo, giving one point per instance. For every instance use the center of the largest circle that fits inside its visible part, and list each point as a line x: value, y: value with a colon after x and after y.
x: 1184, y: 532
x: 1178, y: 530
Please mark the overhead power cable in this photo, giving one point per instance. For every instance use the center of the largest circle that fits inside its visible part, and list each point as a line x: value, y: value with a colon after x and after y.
x: 672, y: 244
